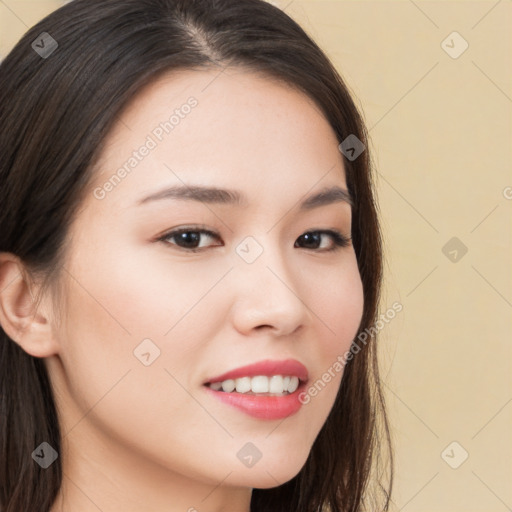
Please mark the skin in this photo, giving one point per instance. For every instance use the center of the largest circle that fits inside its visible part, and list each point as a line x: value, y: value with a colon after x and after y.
x: 149, y: 438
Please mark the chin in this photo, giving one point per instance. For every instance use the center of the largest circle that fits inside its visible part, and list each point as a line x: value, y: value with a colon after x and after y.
x: 266, y: 481
x: 272, y: 474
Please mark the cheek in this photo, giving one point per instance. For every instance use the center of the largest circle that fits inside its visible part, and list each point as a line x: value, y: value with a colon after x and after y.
x: 120, y: 308
x: 154, y: 297
x: 337, y: 303
x: 339, y: 307
x: 110, y: 387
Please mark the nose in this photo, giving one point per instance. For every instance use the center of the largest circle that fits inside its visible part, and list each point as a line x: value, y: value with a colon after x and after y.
x: 268, y: 295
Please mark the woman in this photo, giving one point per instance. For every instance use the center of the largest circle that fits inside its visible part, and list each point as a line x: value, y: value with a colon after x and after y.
x: 189, y: 250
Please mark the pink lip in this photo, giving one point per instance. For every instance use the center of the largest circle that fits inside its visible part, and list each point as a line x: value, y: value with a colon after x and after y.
x: 267, y: 367
x: 261, y: 406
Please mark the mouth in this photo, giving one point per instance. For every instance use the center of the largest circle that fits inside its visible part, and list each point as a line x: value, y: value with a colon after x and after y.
x: 267, y: 390
x: 259, y: 385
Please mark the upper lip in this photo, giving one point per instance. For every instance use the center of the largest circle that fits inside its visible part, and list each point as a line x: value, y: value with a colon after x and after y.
x: 267, y: 367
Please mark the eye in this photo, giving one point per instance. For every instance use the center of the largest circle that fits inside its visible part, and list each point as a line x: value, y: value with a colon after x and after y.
x: 313, y: 240
x: 188, y: 238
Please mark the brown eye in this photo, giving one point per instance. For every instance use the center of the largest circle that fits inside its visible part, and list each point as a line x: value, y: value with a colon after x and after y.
x: 313, y: 240
x: 188, y: 238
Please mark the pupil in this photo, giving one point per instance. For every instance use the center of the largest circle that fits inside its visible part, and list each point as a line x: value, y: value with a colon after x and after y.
x: 189, y: 237
x: 311, y: 237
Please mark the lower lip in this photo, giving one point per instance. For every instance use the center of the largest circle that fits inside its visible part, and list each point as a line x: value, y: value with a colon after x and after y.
x: 262, y: 407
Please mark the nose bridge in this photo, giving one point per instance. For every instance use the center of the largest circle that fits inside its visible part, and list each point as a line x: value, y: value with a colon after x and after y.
x: 268, y: 288
x: 264, y: 258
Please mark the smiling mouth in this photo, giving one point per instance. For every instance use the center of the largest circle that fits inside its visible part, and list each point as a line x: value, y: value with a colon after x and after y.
x: 259, y: 385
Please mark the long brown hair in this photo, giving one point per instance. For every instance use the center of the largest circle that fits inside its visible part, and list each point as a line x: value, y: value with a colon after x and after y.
x: 55, y: 113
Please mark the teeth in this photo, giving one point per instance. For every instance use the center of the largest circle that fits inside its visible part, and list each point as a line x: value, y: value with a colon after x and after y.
x: 243, y: 385
x: 294, y: 384
x: 276, y: 384
x: 259, y: 384
x: 228, y: 385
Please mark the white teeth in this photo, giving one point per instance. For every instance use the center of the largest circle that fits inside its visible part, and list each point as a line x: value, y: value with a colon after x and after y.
x: 294, y: 384
x: 276, y: 384
x: 259, y: 384
x: 243, y: 385
x: 228, y: 385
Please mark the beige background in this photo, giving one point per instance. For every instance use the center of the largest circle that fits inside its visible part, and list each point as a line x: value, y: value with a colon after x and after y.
x: 441, y: 133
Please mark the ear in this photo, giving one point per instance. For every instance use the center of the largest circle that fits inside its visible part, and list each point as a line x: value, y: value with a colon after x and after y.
x: 29, y: 326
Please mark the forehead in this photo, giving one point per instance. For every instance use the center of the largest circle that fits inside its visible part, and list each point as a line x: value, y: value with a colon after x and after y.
x: 231, y: 128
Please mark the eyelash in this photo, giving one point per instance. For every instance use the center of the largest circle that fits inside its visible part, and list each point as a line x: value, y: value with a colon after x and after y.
x: 338, y: 238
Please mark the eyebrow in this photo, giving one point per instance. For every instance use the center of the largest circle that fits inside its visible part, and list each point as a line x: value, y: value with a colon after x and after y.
x: 214, y: 195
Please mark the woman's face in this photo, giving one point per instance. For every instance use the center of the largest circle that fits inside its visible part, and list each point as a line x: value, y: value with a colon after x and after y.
x: 147, y: 322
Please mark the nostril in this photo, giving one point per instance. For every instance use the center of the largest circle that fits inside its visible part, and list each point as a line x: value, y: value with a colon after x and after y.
x: 259, y: 327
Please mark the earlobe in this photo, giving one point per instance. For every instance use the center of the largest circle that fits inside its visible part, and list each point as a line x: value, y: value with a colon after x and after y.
x: 25, y: 323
